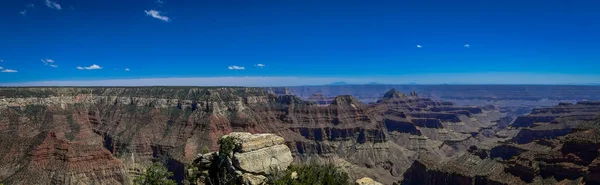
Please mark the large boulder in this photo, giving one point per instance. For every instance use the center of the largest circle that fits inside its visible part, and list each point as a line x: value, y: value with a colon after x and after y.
x: 254, y: 156
x: 264, y: 160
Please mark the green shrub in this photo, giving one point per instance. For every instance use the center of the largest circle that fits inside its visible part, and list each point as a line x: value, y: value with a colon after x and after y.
x: 324, y: 174
x: 205, y: 150
x: 226, y: 145
x: 157, y: 174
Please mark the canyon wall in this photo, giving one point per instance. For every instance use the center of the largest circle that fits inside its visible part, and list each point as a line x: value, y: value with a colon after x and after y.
x: 108, y: 135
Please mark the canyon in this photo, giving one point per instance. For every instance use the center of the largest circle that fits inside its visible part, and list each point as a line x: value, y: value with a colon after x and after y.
x: 107, y: 135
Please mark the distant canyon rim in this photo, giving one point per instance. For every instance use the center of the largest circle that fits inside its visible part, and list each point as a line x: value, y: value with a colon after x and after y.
x: 513, y: 134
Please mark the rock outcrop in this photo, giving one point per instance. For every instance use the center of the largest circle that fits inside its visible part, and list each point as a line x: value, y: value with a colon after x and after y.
x: 253, y: 157
x: 260, y: 154
x: 391, y: 94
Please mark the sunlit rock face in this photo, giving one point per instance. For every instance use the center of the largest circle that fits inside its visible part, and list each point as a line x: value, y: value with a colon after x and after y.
x: 124, y: 129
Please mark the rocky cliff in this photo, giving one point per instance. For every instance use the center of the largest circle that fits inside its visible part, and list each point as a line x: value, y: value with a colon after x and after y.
x: 561, y: 145
x: 107, y: 135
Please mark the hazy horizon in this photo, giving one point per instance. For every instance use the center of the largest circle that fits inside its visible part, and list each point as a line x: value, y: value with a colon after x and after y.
x: 449, y: 79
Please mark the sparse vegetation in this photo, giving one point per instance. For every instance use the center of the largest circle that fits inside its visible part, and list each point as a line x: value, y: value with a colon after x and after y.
x: 226, y: 145
x: 157, y: 174
x: 205, y: 150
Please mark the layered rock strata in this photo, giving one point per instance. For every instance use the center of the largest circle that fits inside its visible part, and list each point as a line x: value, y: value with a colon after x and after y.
x: 254, y: 156
x: 138, y: 125
x: 538, y: 154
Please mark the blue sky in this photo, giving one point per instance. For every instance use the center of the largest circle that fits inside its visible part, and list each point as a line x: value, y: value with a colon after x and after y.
x: 533, y: 41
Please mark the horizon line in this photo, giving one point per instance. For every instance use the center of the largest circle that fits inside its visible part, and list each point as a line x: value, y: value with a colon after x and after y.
x: 273, y: 81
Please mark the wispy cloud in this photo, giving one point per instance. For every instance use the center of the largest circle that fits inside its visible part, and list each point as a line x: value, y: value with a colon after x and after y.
x: 236, y: 68
x: 1, y: 60
x: 467, y: 46
x: 260, y: 65
x: 53, y: 5
x: 159, y: 2
x: 127, y: 69
x: 27, y: 6
x: 156, y: 14
x: 92, y: 67
x: 49, y: 62
x: 1, y: 67
x: 419, y: 46
x: 9, y: 71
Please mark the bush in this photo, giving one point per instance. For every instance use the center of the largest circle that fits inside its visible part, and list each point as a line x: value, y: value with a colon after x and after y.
x: 226, y: 145
x: 157, y: 174
x: 325, y: 174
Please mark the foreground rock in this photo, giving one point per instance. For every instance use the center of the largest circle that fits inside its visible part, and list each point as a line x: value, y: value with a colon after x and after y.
x: 260, y: 153
x: 253, y: 157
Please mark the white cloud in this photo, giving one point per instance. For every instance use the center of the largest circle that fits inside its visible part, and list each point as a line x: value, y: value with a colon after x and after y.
x: 92, y: 67
x: 49, y: 62
x: 30, y: 6
x: 53, y: 5
x: 159, y: 2
x: 9, y: 71
x: 419, y: 46
x: 24, y: 12
x: 236, y: 68
x: 260, y: 65
x: 467, y: 46
x: 156, y: 14
x: 127, y: 69
x: 1, y: 67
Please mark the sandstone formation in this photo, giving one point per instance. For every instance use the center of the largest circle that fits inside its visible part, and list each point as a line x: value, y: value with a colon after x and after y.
x: 260, y: 153
x: 130, y: 127
x: 254, y: 156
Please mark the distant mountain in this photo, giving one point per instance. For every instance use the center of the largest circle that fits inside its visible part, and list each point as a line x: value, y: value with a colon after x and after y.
x: 339, y: 83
